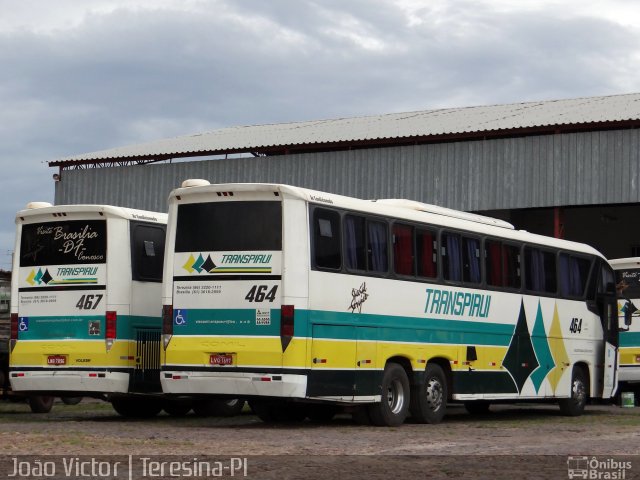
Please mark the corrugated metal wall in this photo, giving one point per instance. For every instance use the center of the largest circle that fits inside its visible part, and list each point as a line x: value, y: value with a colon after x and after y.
x: 538, y: 171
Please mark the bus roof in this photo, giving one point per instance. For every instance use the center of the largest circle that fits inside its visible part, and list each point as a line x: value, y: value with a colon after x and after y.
x: 396, y: 208
x: 109, y: 210
x: 629, y: 262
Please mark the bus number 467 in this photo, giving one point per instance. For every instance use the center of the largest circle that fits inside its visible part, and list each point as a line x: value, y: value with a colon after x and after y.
x: 89, y: 302
x: 576, y: 325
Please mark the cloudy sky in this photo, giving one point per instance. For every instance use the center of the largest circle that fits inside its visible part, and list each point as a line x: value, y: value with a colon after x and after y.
x: 85, y: 75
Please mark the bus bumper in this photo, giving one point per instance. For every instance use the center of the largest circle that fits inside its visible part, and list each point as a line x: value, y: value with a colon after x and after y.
x: 629, y: 373
x: 67, y: 381
x: 238, y: 384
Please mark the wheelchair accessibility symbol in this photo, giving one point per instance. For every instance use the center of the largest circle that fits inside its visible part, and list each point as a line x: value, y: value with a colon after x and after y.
x: 180, y: 317
x: 23, y: 324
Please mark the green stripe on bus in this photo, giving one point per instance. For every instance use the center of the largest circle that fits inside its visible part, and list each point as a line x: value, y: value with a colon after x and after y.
x: 629, y: 339
x: 237, y: 322
x: 64, y: 327
x: 411, y: 329
x: 226, y: 321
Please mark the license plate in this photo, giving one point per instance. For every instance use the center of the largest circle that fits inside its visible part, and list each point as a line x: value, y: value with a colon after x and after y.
x: 57, y: 360
x: 221, y: 359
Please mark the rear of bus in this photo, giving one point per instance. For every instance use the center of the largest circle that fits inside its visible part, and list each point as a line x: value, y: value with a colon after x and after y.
x: 64, y: 323
x: 230, y: 319
x: 628, y: 280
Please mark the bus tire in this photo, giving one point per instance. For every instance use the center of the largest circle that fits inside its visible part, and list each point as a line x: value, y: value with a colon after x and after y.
x: 477, y: 407
x: 230, y: 407
x: 361, y: 415
x: 177, y: 407
x: 429, y: 399
x: 393, y: 408
x: 574, y: 405
x: 216, y: 407
x: 71, y: 400
x: 321, y: 413
x: 40, y: 403
x: 136, y: 407
x: 270, y: 412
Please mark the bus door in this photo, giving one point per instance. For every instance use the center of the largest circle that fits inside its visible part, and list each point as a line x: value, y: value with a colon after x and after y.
x: 608, y: 308
x: 144, y: 321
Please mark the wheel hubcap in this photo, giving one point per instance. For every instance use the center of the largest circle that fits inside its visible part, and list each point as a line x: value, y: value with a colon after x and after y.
x: 395, y: 396
x: 434, y: 394
x: 579, y: 393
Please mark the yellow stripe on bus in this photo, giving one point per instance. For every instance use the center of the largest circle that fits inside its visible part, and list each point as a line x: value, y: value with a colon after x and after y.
x: 75, y: 353
x: 325, y: 353
x: 630, y: 356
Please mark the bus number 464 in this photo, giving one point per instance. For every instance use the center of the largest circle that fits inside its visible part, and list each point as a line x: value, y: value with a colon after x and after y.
x: 258, y: 293
x: 89, y: 302
x: 576, y: 325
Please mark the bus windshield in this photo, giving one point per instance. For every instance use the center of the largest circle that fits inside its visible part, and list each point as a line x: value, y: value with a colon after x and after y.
x: 63, y: 243
x: 229, y: 226
x: 631, y: 277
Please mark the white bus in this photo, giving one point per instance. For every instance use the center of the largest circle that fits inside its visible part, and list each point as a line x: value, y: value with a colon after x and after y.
x: 85, y: 304
x: 628, y: 271
x: 304, y: 302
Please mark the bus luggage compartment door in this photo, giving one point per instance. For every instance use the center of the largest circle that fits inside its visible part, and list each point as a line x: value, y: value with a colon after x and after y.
x: 146, y: 373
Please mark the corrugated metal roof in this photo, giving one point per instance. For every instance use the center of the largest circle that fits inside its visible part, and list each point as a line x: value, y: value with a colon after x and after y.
x: 447, y: 121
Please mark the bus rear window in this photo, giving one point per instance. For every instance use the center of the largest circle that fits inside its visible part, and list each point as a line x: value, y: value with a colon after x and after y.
x: 63, y: 243
x: 631, y: 278
x: 229, y: 226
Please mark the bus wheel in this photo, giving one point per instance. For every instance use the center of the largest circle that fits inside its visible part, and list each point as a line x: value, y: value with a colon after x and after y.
x: 574, y: 405
x: 321, y: 413
x: 229, y: 408
x: 477, y: 407
x: 216, y: 407
x: 204, y: 407
x: 361, y: 415
x: 40, y: 404
x: 270, y: 412
x: 71, y: 400
x: 136, y: 407
x: 394, y: 407
x: 429, y: 401
x: 177, y: 407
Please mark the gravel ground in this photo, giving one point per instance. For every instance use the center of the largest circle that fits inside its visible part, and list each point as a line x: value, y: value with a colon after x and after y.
x: 511, y: 441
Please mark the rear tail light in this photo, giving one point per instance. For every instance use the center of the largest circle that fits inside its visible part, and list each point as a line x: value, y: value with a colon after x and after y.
x: 287, y: 314
x: 111, y: 330
x: 14, y: 329
x: 167, y: 324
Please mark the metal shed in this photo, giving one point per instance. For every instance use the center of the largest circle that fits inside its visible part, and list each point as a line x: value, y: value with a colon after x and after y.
x: 565, y: 167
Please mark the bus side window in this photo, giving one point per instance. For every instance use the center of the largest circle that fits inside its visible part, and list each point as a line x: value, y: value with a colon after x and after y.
x: 502, y: 264
x: 493, y: 263
x: 147, y: 252
x: 326, y: 239
x: 403, y: 251
x: 540, y: 267
x: 451, y: 256
x: 427, y: 248
x: 511, y: 266
x: 355, y: 247
x: 573, y: 274
x: 377, y: 247
x: 471, y: 260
